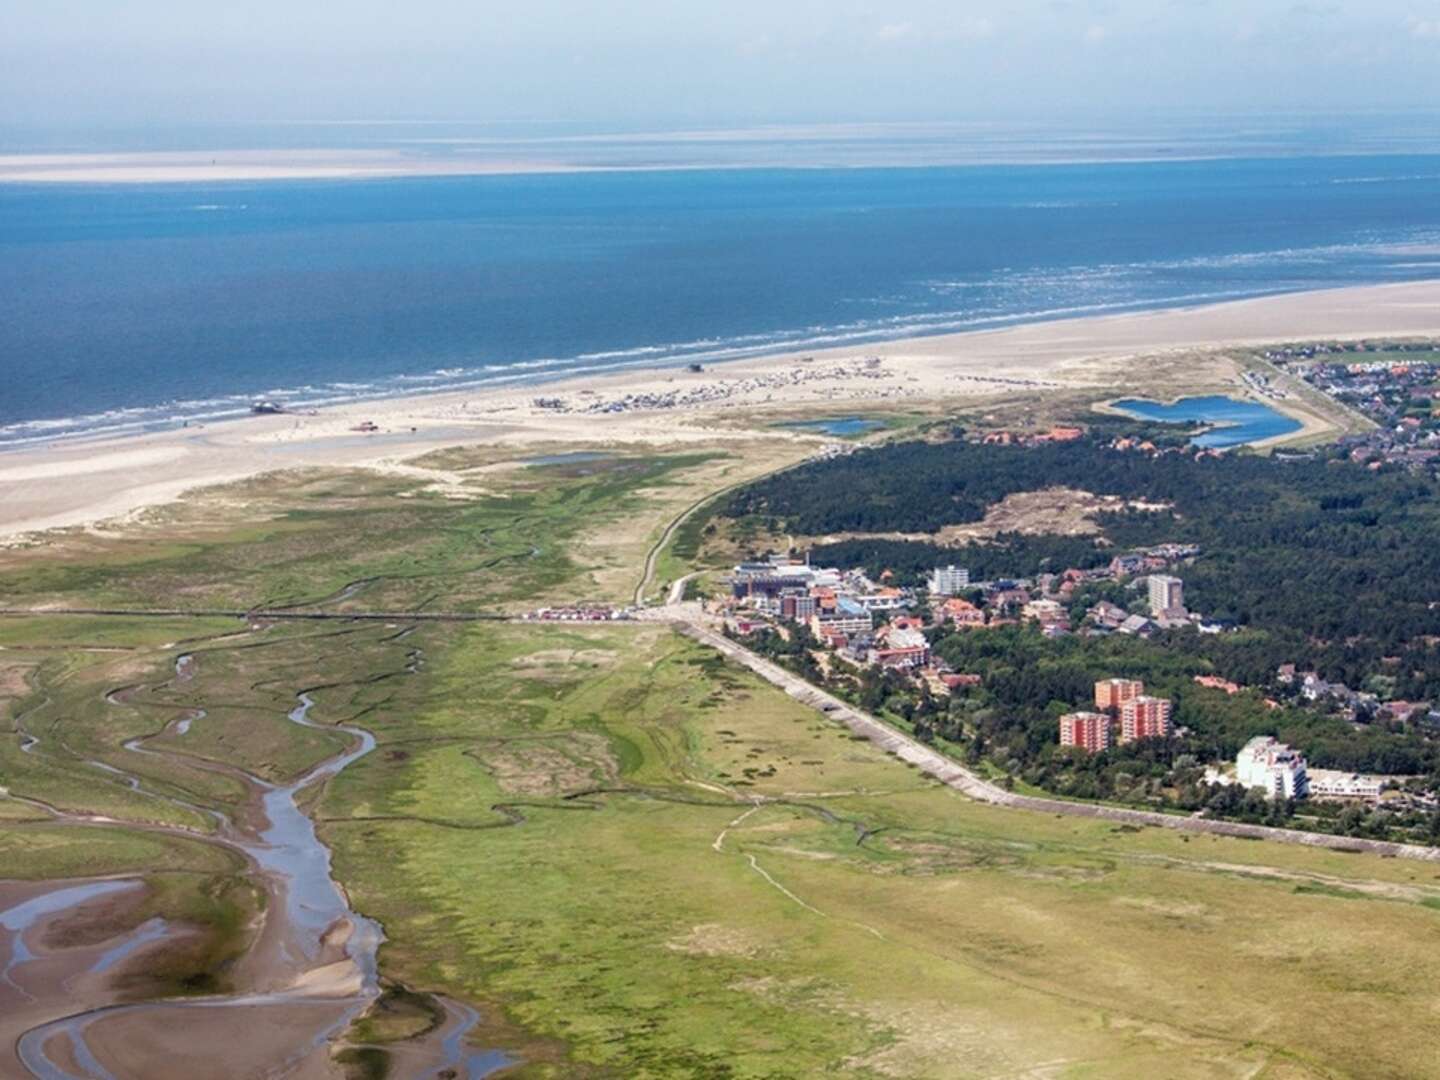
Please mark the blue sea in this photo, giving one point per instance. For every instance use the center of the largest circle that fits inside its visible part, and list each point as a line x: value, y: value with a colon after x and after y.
x: 131, y: 307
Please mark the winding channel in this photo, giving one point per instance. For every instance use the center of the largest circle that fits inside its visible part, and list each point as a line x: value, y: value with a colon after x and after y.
x: 315, y: 956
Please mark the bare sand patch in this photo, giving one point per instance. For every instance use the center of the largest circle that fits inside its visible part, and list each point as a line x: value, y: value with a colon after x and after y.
x: 179, y: 1043
x: 549, y: 767
x: 1054, y: 511
x: 14, y: 679
x: 716, y: 939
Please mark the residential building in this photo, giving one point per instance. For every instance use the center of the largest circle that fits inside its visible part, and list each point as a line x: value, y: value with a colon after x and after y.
x: 1088, y: 731
x: 1108, y: 615
x: 1046, y: 612
x: 800, y: 607
x: 1112, y: 694
x: 1167, y: 596
x: 962, y: 613
x: 742, y: 626
x: 1144, y: 717
x: 949, y: 580
x: 847, y: 625
x: 1334, y: 784
x: 899, y: 647
x: 1265, y: 762
x: 1125, y: 565
x: 1007, y: 595
x: 1139, y: 626
x: 945, y: 683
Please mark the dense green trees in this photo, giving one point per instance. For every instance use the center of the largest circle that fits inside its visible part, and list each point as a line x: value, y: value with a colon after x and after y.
x: 1338, y: 564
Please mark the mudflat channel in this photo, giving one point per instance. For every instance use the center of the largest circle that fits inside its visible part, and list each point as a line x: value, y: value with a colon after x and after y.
x: 310, y: 970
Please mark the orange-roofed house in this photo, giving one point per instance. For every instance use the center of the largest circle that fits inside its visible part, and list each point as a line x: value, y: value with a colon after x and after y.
x: 962, y: 613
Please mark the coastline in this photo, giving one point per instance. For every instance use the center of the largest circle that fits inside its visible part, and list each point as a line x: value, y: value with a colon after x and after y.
x: 87, y: 481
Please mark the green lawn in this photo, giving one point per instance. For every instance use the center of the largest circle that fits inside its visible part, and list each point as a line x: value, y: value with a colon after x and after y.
x: 360, y: 539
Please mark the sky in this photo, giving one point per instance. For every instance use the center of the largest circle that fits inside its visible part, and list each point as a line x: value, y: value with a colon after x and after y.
x: 636, y: 63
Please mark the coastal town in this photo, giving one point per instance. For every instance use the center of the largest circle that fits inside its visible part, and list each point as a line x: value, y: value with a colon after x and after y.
x: 1394, y: 386
x: 854, y: 627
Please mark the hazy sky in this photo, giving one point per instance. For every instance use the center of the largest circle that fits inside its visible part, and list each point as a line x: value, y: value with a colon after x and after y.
x: 635, y: 62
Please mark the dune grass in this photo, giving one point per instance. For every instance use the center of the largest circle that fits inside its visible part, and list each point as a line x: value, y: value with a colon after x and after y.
x: 365, y: 539
x: 674, y: 870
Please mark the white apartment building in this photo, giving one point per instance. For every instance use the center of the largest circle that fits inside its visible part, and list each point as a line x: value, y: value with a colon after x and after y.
x: 849, y: 625
x: 1265, y: 762
x: 1167, y: 595
x: 949, y: 580
x: 1335, y: 784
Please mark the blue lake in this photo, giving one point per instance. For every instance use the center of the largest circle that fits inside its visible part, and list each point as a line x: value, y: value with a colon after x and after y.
x: 841, y: 426
x: 1235, y: 423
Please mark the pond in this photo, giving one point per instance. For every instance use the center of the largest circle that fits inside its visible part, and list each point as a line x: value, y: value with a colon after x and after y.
x: 1232, y: 422
x: 841, y: 426
x: 576, y: 457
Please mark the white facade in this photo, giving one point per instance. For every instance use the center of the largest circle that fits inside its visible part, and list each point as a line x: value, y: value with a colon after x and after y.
x: 876, y: 602
x: 848, y: 625
x: 1167, y: 594
x: 1264, y: 762
x: 1334, y: 784
x: 949, y: 580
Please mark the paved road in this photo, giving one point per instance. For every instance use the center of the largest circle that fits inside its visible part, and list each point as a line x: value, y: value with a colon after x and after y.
x: 653, y: 555
x: 950, y: 772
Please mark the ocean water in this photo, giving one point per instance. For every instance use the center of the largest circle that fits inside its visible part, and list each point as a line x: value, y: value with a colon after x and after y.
x: 133, y: 307
x: 1235, y: 423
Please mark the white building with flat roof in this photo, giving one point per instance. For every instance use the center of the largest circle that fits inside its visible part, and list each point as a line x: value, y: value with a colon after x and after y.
x: 949, y: 580
x: 1265, y: 762
x: 1167, y: 595
x: 1335, y: 784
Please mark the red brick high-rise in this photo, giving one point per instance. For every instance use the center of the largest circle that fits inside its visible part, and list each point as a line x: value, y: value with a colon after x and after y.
x: 1144, y: 717
x: 1112, y: 694
x: 1086, y: 730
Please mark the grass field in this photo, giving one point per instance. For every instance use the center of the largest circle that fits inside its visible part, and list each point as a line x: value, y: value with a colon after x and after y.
x: 492, y: 538
x: 668, y: 869
x: 637, y: 860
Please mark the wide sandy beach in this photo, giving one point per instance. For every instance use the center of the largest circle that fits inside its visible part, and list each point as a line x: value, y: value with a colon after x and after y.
x: 46, y: 487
